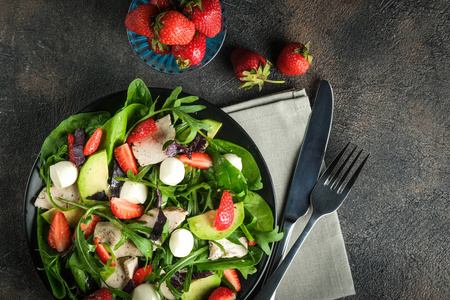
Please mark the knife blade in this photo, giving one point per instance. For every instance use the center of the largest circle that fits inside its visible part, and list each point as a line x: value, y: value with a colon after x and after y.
x: 308, y: 168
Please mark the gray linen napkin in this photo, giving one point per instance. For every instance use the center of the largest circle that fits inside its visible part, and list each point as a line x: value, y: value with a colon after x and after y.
x: 277, y: 124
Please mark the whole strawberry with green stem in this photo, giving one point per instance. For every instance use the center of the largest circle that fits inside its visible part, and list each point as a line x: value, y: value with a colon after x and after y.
x: 250, y: 68
x: 173, y: 28
x: 139, y: 20
x: 294, y: 59
x: 206, y: 15
x: 190, y: 54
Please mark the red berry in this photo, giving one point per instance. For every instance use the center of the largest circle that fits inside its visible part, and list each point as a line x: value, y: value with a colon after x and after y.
x: 124, y: 209
x: 59, y: 234
x: 173, y: 28
x: 102, y: 253
x: 139, y: 19
x: 250, y: 68
x: 101, y: 294
x: 225, y: 213
x: 142, y: 129
x: 162, y: 5
x: 139, y: 276
x: 232, y: 277
x: 222, y: 293
x: 192, y: 53
x: 93, y: 142
x: 294, y: 59
x: 252, y: 243
x: 199, y: 160
x: 90, y: 227
x: 70, y: 141
x: 125, y: 158
x: 206, y: 15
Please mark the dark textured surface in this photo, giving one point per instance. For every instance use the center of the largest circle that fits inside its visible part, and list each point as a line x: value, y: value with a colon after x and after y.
x: 388, y: 62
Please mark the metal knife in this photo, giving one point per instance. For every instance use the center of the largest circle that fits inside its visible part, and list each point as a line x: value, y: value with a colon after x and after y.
x: 308, y: 168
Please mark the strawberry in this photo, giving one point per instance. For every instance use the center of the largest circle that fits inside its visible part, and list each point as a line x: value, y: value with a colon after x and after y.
x: 222, y: 293
x: 139, y: 276
x: 294, y: 59
x: 93, y: 142
x: 162, y: 5
x: 250, y: 68
x: 158, y: 47
x: 142, y: 129
x: 199, y: 160
x: 90, y: 227
x: 125, y: 158
x: 139, y: 19
x: 59, y: 233
x: 206, y: 15
x: 252, y: 243
x: 225, y: 213
x: 233, y: 279
x: 124, y: 209
x: 70, y: 141
x: 173, y: 28
x: 190, y: 54
x: 103, y: 253
x: 101, y: 294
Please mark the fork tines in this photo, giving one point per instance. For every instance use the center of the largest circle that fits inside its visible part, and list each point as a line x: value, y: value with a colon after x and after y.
x: 335, y: 178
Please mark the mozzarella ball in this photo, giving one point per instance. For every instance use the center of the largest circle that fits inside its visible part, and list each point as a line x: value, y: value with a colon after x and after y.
x: 171, y: 171
x: 235, y: 160
x: 181, y: 242
x: 63, y: 174
x: 145, y: 291
x: 134, y: 192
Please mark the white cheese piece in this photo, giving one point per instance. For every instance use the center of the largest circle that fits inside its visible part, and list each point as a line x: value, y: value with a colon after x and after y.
x: 149, y: 149
x: 70, y: 193
x: 110, y: 234
x: 63, y: 174
x: 171, y: 171
x: 134, y: 192
x: 130, y: 265
x: 181, y: 242
x: 145, y: 291
x: 235, y: 160
x: 231, y: 249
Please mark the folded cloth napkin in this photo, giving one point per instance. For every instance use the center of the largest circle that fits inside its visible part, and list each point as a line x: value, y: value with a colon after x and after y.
x: 277, y: 124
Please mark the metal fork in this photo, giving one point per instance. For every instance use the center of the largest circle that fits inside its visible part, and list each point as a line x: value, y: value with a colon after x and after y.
x: 327, y: 196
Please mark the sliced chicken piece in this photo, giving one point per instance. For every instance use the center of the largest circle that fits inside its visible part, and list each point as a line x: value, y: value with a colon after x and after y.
x: 174, y: 215
x: 119, y: 278
x: 69, y: 193
x: 149, y: 150
x: 231, y: 249
x: 110, y: 234
x: 131, y: 266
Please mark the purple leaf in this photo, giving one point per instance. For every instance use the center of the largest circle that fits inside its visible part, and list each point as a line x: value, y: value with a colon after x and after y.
x: 116, y: 185
x: 78, y: 145
x: 159, y: 195
x: 198, y: 144
x: 159, y: 226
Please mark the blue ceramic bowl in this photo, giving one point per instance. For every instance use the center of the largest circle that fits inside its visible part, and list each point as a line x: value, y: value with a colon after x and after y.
x: 167, y: 63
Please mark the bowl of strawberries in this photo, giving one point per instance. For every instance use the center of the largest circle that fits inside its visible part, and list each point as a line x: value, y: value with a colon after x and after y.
x: 174, y: 36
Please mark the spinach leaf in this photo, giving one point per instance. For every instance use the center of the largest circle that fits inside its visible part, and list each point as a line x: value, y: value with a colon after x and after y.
x: 227, y: 176
x: 58, y: 137
x: 247, y: 271
x: 79, y: 274
x: 250, y: 168
x: 138, y: 93
x: 249, y: 260
x: 257, y: 208
x: 263, y: 238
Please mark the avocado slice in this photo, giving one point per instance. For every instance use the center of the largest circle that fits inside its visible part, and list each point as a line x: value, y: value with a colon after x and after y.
x: 201, y: 288
x: 93, y: 177
x: 203, y: 225
x: 72, y: 216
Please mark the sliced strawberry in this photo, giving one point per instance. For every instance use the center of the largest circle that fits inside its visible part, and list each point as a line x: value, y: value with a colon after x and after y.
x: 124, y: 209
x: 102, y: 253
x: 59, y: 233
x: 162, y: 5
x: 93, y: 142
x: 232, y: 278
x: 90, y: 227
x: 139, y: 276
x: 70, y: 141
x: 142, y: 129
x: 225, y: 213
x: 139, y: 19
x: 125, y: 158
x: 101, y: 294
x: 251, y: 243
x: 199, y: 160
x: 222, y: 293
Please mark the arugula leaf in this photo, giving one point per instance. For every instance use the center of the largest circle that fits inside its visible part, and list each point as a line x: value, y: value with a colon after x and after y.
x: 138, y: 93
x: 263, y: 238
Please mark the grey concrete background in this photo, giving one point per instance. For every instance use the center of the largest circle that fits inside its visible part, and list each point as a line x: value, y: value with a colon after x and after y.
x: 388, y: 62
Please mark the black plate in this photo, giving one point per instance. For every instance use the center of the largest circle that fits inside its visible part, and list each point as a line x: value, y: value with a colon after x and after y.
x: 230, y: 131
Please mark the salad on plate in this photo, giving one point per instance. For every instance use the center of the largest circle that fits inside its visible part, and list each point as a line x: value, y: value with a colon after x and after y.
x: 148, y: 204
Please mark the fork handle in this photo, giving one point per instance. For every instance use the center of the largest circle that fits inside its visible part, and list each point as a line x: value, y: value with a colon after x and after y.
x: 272, y: 284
